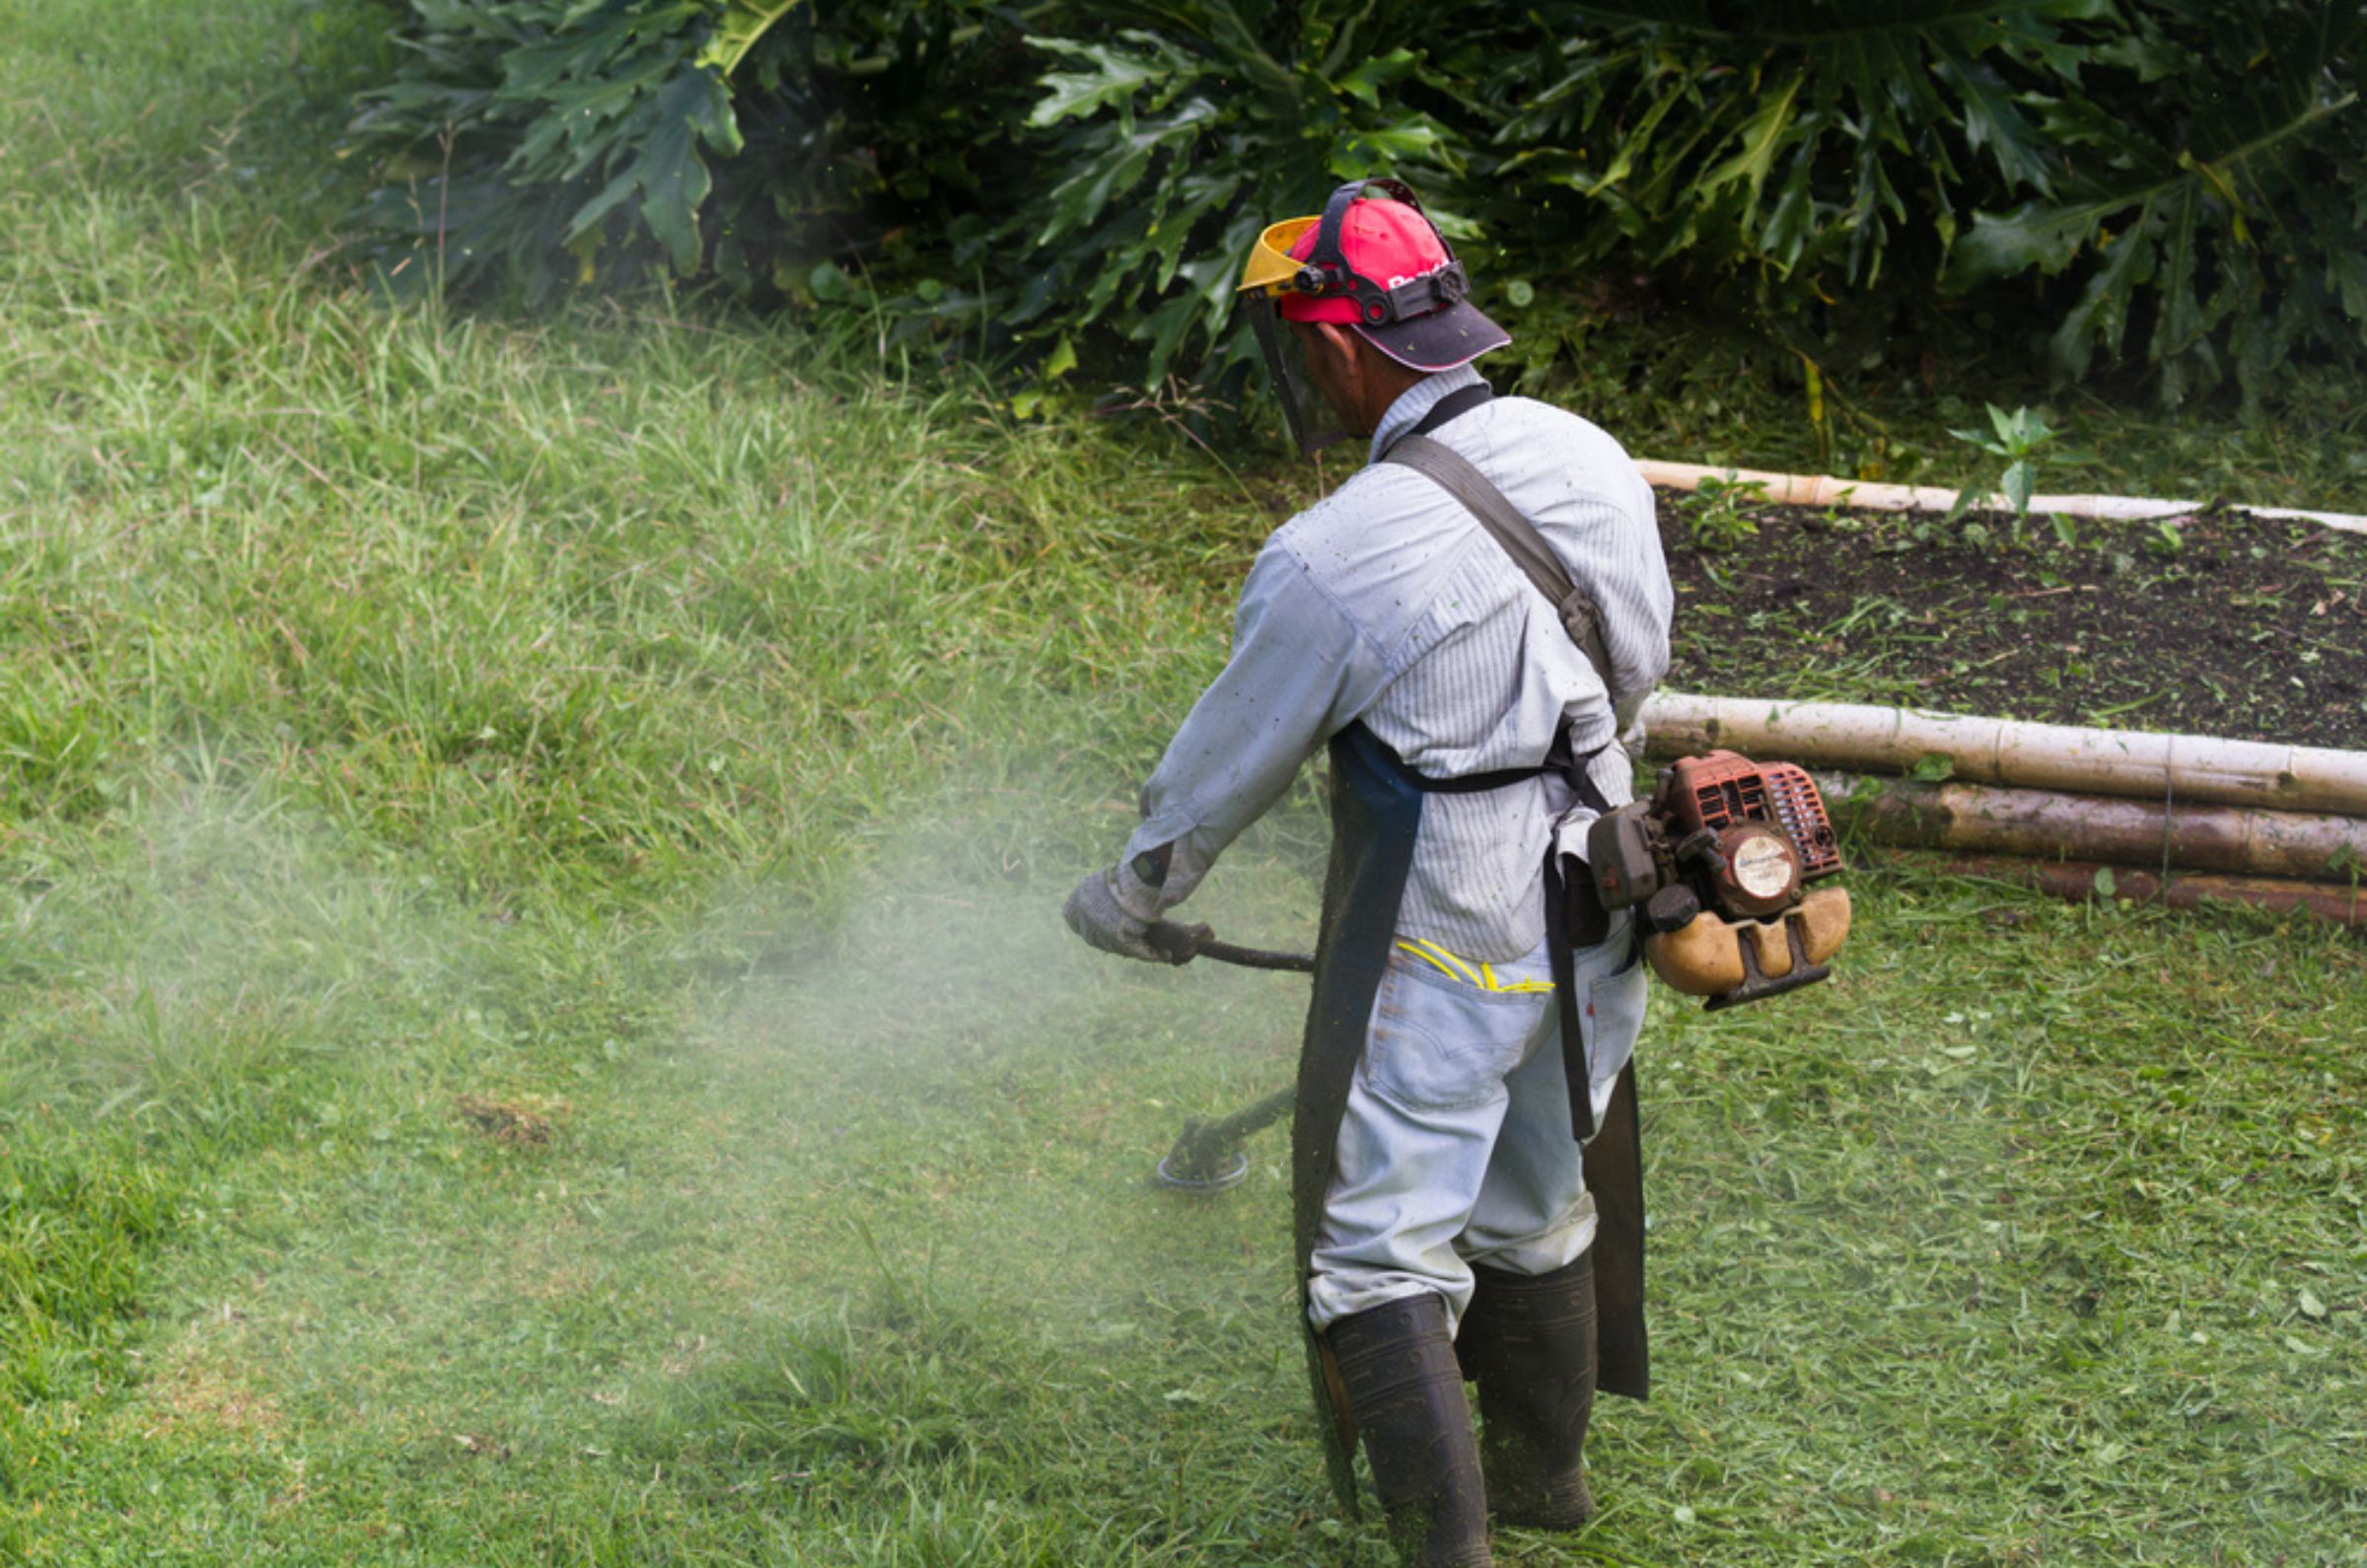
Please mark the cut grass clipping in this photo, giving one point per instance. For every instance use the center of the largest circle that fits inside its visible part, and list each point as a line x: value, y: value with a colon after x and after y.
x: 533, y: 1026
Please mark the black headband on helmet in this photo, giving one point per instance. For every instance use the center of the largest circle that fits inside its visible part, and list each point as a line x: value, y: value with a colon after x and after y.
x: 1325, y: 273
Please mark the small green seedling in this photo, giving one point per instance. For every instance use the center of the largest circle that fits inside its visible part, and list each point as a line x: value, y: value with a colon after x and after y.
x: 1717, y: 520
x: 2018, y: 437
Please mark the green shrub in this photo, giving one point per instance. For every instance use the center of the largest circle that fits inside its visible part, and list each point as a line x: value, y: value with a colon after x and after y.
x: 2161, y: 185
x: 536, y: 144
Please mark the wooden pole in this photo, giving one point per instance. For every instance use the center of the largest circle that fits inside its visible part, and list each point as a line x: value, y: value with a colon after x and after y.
x: 2077, y: 880
x: 2177, y: 769
x: 1976, y: 818
x: 1822, y: 490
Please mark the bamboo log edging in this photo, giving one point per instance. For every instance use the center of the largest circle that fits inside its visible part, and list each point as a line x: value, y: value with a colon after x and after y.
x: 2076, y: 880
x: 2038, y: 824
x: 1819, y: 490
x: 2130, y: 763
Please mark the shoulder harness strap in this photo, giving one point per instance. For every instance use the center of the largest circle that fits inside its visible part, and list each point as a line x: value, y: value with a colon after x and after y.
x: 1515, y: 533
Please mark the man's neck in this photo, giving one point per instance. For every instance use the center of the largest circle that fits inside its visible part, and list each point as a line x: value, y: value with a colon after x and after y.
x: 1407, y: 408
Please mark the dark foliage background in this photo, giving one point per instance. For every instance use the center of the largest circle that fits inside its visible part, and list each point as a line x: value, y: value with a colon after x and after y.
x: 2166, y: 190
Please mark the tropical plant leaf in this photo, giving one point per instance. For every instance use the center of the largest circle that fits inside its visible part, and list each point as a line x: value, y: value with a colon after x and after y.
x: 1117, y: 78
x: 1759, y: 136
x: 1992, y: 123
x: 690, y: 110
x: 742, y: 27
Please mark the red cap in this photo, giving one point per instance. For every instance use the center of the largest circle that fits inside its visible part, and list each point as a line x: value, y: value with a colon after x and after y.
x: 1391, y: 243
x: 1385, y: 240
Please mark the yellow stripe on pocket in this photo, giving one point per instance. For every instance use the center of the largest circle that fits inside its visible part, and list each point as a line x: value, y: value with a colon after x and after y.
x: 1481, y: 975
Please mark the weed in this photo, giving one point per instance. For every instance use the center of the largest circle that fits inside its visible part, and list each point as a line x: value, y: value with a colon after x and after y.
x: 2019, y: 438
x: 1717, y: 516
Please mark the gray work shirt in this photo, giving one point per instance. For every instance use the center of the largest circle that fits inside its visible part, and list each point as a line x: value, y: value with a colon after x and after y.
x: 1385, y: 601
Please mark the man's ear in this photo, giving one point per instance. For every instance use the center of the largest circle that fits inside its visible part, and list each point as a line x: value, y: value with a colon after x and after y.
x: 1336, y: 346
x: 1336, y: 368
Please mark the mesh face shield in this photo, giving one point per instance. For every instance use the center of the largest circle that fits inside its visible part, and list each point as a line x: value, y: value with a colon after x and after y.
x: 1373, y: 263
x: 1307, y: 412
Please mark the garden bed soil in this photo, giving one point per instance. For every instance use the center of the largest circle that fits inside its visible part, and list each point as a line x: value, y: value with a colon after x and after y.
x: 2215, y: 623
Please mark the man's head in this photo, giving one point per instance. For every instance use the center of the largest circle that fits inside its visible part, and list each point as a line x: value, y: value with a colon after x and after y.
x: 1354, y: 305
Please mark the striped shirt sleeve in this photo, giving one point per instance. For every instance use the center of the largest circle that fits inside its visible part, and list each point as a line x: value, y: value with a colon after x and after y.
x: 1301, y: 670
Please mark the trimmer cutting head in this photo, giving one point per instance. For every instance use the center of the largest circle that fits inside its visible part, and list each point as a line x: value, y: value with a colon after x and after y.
x: 1208, y: 1156
x: 1189, y: 1169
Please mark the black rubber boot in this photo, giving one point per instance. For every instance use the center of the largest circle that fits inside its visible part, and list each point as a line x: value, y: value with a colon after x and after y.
x: 1397, y: 1363
x: 1529, y: 1342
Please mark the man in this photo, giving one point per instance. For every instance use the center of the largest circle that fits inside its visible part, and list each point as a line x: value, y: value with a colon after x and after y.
x: 1439, y: 1183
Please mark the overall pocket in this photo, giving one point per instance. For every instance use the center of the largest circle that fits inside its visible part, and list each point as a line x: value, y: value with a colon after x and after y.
x: 1440, y: 1045
x: 1612, y: 1018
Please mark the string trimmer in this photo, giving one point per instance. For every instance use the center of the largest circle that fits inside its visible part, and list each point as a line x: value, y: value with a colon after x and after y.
x: 1208, y: 1156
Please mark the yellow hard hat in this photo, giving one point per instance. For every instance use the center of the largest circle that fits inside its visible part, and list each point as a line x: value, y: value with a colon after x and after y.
x: 1270, y: 269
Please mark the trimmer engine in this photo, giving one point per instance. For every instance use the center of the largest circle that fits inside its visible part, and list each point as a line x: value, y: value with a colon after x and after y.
x: 1719, y: 859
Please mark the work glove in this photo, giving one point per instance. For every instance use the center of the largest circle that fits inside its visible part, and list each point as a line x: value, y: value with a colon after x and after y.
x: 1098, y: 911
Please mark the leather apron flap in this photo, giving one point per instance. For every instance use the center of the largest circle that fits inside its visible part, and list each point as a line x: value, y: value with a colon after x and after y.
x: 1615, y: 1175
x: 1376, y: 817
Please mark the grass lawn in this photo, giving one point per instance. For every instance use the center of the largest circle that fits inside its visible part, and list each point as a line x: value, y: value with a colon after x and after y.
x: 534, y: 1024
